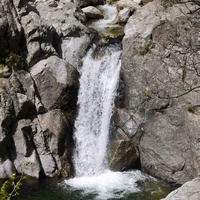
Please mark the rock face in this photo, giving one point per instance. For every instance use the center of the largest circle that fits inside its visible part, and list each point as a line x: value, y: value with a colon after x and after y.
x: 9, y: 18
x: 161, y: 87
x: 39, y: 83
x: 84, y: 3
x: 189, y: 190
x: 132, y: 5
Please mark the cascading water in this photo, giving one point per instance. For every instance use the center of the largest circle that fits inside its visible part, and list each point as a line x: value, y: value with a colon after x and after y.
x: 98, y: 84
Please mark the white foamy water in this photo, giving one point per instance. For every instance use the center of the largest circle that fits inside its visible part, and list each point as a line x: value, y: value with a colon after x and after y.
x: 109, y: 15
x: 98, y: 82
x: 108, y: 185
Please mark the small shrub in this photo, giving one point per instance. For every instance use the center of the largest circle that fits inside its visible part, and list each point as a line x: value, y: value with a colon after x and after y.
x: 191, y: 109
x: 11, y: 187
x: 142, y: 49
x: 147, y: 94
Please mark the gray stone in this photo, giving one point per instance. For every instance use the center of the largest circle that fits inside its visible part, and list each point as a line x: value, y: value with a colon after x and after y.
x: 84, y: 3
x: 26, y: 159
x: 124, y: 15
x: 65, y: 18
x: 56, y: 132
x: 27, y: 126
x: 74, y: 37
x: 138, y: 1
x: 65, y: 1
x: 29, y: 165
x: 155, y: 90
x: 6, y: 169
x: 189, y: 190
x: 39, y: 37
x: 124, y: 157
x: 74, y: 48
x: 132, y: 5
x: 23, y: 139
x: 21, y: 90
x: 92, y: 12
x: 128, y: 122
x: 53, y: 76
x: 48, y: 165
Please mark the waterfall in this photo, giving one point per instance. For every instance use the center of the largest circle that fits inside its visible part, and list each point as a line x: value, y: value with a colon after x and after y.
x: 98, y: 82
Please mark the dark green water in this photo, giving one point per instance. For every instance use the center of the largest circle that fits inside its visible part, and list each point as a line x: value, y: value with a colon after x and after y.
x: 49, y: 190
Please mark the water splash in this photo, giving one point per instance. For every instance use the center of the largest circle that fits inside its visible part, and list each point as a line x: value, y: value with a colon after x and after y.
x: 108, y: 185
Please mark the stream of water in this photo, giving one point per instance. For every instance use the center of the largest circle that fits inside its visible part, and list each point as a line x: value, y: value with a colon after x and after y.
x: 98, y: 84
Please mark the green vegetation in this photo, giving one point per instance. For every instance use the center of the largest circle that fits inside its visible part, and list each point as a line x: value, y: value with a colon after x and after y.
x: 8, y: 61
x: 191, y: 109
x: 142, y: 49
x: 167, y: 3
x: 147, y: 94
x: 11, y: 187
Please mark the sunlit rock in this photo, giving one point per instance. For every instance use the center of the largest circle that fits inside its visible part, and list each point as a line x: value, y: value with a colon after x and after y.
x: 92, y: 12
x: 132, y: 5
x: 189, y: 190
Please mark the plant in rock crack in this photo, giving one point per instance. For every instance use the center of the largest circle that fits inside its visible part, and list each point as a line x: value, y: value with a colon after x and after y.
x: 11, y: 187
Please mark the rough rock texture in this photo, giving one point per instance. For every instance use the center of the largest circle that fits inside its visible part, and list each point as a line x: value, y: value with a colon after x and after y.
x: 124, y: 156
x: 132, y: 5
x: 54, y: 76
x: 92, y: 12
x: 189, y: 190
x: 124, y: 15
x: 84, y: 3
x: 39, y: 85
x: 10, y: 27
x: 73, y: 37
x: 160, y: 76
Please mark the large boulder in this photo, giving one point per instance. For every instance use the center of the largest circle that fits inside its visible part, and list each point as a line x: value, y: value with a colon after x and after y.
x: 189, y: 190
x: 24, y: 153
x: 6, y: 166
x: 54, y: 76
x: 161, y: 89
x: 92, y: 12
x: 132, y: 5
x: 124, y: 155
x: 53, y: 143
